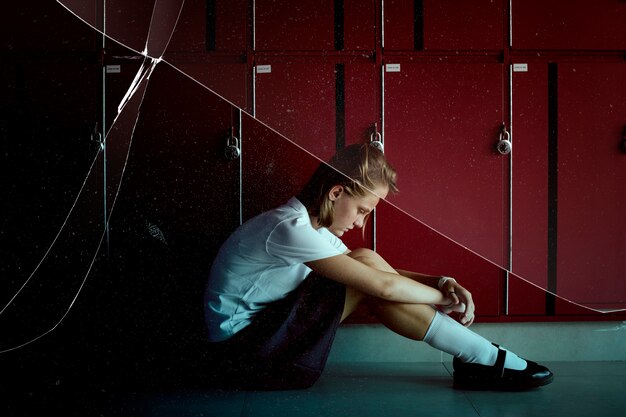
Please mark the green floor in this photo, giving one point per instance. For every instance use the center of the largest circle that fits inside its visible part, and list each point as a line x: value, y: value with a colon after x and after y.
x: 398, y: 389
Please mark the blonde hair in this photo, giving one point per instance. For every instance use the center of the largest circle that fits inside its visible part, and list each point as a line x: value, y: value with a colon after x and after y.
x: 357, y: 168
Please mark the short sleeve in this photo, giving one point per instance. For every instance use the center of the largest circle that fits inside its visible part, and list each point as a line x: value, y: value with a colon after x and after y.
x: 295, y: 241
x: 334, y: 240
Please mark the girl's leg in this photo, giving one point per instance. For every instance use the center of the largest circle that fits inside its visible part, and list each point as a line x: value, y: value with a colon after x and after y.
x: 423, y: 322
x: 478, y: 364
x: 409, y: 320
x: 353, y: 299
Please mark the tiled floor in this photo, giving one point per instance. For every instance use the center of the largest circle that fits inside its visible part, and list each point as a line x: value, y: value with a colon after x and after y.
x: 398, y: 389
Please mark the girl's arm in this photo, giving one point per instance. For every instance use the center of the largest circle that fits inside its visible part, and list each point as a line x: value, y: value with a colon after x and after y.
x: 430, y: 280
x: 380, y: 284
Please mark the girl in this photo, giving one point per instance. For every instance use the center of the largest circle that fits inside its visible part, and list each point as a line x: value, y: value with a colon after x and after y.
x: 283, y: 281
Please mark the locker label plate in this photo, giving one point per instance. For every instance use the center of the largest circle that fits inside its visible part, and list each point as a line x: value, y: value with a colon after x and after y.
x: 520, y: 67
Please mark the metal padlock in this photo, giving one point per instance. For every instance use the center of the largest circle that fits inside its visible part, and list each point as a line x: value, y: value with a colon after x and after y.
x: 376, y: 141
x: 232, y: 151
x: 504, y: 145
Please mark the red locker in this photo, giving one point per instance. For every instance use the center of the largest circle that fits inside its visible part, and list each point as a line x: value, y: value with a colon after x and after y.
x: 299, y: 101
x: 449, y: 25
x: 575, y: 25
x: 211, y: 26
x: 591, y: 259
x: 314, y: 25
x: 179, y: 172
x: 442, y: 122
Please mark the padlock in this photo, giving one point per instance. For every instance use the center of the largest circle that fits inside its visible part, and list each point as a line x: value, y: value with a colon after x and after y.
x: 504, y: 145
x: 376, y: 141
x: 232, y: 151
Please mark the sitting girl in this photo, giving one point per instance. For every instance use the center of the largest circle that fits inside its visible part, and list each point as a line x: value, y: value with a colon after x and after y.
x: 283, y: 281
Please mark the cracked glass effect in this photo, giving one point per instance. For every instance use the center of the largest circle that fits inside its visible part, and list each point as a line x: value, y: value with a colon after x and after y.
x: 152, y: 35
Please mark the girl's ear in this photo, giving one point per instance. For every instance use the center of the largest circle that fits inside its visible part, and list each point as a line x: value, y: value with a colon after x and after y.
x: 335, y: 192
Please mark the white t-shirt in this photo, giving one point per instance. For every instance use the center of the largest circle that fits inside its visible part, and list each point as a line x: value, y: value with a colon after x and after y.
x: 261, y: 262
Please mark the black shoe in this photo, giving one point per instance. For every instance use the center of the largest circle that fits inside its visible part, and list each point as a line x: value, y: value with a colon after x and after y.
x: 472, y: 376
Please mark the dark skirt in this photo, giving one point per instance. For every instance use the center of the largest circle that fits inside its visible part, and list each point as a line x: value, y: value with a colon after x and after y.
x: 286, y: 345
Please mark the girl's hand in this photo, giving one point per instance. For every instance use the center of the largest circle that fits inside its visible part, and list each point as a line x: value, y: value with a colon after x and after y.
x: 460, y: 301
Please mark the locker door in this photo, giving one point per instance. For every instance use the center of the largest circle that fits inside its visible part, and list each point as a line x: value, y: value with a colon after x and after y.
x: 179, y: 166
x: 568, y: 127
x: 579, y: 24
x: 314, y: 25
x: 298, y: 99
x: 319, y: 106
x: 441, y: 126
x: 432, y: 25
x: 178, y: 202
x: 591, y: 259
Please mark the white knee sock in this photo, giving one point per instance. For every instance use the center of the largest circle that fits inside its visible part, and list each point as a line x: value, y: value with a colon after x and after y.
x: 451, y: 337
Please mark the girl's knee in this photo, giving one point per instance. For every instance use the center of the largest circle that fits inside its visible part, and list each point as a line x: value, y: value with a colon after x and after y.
x: 364, y: 254
x: 371, y: 259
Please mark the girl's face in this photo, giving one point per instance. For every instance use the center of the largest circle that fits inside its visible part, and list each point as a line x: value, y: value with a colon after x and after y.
x: 350, y: 212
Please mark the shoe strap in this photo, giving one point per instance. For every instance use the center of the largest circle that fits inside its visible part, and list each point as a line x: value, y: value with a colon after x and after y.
x: 498, y: 367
